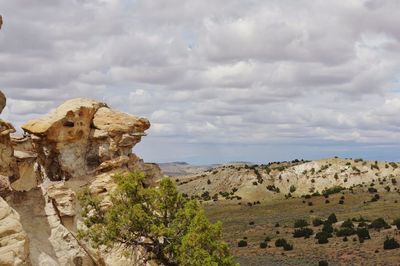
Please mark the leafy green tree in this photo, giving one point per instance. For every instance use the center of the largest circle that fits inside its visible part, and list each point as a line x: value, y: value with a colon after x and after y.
x: 172, y: 227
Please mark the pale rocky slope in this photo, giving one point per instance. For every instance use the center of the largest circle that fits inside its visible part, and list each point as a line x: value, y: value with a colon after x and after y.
x: 82, y: 143
x: 182, y: 168
x: 261, y: 182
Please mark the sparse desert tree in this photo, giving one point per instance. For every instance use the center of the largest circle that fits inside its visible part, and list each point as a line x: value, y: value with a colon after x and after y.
x: 160, y: 220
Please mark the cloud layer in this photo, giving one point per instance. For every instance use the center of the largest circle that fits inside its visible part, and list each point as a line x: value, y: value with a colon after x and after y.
x: 219, y: 80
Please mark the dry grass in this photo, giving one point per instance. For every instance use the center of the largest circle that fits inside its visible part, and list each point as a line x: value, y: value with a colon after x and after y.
x: 236, y: 220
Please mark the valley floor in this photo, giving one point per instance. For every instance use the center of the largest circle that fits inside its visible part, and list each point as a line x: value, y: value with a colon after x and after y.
x: 255, y: 223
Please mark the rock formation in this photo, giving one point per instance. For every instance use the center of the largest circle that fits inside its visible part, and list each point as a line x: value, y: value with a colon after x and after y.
x: 82, y: 135
x: 82, y: 143
x: 8, y: 163
x: 14, y: 243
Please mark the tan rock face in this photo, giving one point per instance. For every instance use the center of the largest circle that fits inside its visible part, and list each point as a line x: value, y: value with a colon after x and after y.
x: 28, y: 177
x: 14, y: 243
x: 82, y: 142
x: 2, y: 100
x: 63, y: 198
x: 80, y: 135
x: 8, y: 163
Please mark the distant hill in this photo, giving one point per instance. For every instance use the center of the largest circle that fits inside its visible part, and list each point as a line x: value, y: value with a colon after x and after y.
x: 282, y: 179
x: 182, y: 168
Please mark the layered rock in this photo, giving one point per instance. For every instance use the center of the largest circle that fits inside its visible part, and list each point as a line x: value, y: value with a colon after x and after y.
x: 80, y: 135
x: 14, y: 243
x: 67, y: 248
x: 8, y: 163
x: 28, y: 177
x: 82, y: 142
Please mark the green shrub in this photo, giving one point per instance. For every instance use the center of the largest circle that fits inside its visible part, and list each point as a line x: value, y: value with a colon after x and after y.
x: 362, y: 224
x: 363, y: 233
x: 303, y: 232
x: 322, y: 237
x: 323, y: 234
x: 323, y: 263
x: 332, y: 218
x: 348, y: 223
x: 280, y: 242
x: 263, y: 244
x: 292, y: 189
x: 376, y: 197
x: 242, y: 243
x: 345, y: 231
x: 273, y: 188
x: 332, y: 190
x: 327, y: 228
x: 379, y: 224
x: 288, y: 247
x: 205, y: 196
x: 300, y: 223
x: 317, y: 222
x: 390, y: 243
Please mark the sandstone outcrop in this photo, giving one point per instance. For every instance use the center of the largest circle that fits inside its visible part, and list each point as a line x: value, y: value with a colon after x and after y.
x: 8, y: 163
x: 80, y: 135
x: 81, y: 143
x: 14, y: 243
x: 66, y: 246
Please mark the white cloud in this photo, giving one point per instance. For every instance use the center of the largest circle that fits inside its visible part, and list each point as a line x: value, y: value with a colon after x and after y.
x: 223, y: 72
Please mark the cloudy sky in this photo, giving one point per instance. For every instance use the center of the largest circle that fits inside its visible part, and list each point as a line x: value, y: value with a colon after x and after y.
x: 226, y: 80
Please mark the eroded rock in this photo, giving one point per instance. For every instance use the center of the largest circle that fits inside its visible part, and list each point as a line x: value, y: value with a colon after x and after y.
x: 83, y: 142
x: 63, y: 198
x: 80, y: 135
x: 66, y: 246
x: 14, y: 243
x: 8, y: 163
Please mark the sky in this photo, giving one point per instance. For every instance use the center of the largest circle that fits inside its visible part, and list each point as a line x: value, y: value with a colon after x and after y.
x: 220, y: 81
